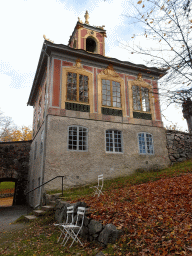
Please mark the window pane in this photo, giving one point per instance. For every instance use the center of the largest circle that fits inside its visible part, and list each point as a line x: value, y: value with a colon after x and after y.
x: 113, y: 141
x: 136, y: 98
x: 109, y: 141
x: 82, y: 138
x: 117, y: 136
x: 145, y: 99
x: 71, y: 86
x: 106, y: 93
x: 83, y: 88
x: 142, y: 149
x: 116, y: 94
x: 149, y: 143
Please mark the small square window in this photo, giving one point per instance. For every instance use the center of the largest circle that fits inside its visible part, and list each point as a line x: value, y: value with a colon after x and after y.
x: 113, y: 141
x: 145, y: 141
x: 77, y: 138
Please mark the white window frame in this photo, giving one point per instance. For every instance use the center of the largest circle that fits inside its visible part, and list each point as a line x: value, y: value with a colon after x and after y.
x: 145, y: 140
x: 113, y: 152
x: 77, y: 150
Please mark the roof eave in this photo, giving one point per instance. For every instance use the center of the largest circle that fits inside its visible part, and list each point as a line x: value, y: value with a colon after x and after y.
x: 42, y: 61
x: 104, y: 59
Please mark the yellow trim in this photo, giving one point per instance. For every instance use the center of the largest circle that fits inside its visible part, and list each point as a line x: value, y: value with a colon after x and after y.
x: 103, y: 45
x: 110, y: 74
x: 81, y: 71
x: 140, y: 83
x: 79, y: 39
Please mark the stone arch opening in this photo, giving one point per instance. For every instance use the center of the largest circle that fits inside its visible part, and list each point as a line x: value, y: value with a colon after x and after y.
x: 91, y: 45
x: 7, y: 192
x: 14, y: 165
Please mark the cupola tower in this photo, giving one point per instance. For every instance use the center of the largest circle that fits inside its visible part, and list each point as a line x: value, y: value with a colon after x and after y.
x: 87, y: 37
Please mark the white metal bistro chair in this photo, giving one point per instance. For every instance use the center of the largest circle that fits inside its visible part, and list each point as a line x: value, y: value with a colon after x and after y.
x: 69, y: 221
x: 73, y: 230
x: 99, y: 187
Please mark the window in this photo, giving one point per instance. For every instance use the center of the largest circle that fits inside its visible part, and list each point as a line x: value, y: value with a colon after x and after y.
x: 140, y: 99
x: 77, y: 87
x: 111, y: 93
x: 145, y: 141
x: 91, y: 45
x: 77, y: 138
x: 113, y: 141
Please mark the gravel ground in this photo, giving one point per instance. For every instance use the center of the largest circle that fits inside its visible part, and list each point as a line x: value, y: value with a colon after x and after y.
x: 9, y: 214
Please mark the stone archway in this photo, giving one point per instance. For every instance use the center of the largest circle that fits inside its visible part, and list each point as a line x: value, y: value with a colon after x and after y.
x: 15, y: 181
x: 14, y: 165
x: 11, y: 176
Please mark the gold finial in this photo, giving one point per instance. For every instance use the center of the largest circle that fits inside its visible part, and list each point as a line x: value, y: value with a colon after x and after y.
x: 47, y: 39
x: 80, y: 20
x: 86, y: 18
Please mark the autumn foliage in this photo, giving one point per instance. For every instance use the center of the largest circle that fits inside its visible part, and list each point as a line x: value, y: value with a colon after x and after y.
x: 156, y: 217
x: 14, y: 134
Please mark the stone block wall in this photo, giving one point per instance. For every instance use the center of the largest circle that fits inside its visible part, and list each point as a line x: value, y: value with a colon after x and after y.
x: 179, y: 145
x: 92, y: 230
x: 84, y: 167
x: 14, y: 166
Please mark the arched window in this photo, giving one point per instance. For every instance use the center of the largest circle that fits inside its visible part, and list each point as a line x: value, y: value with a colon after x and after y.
x: 77, y: 138
x: 145, y: 141
x: 91, y: 45
x: 113, y: 141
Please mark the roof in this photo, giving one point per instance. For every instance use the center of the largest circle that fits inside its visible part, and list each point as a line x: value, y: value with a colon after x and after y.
x: 49, y: 47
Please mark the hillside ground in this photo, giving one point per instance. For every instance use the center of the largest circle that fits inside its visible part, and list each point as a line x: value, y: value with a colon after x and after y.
x: 153, y: 209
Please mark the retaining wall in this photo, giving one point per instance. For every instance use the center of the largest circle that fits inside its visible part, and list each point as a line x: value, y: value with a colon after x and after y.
x: 179, y: 145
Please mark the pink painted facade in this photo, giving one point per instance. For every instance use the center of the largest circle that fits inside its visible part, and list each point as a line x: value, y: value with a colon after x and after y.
x: 55, y: 95
x: 56, y: 91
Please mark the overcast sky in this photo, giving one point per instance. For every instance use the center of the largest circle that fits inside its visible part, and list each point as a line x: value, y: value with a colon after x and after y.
x: 23, y: 24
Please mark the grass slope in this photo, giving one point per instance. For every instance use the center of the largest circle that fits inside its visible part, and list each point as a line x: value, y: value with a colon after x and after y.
x: 7, y: 187
x: 152, y: 208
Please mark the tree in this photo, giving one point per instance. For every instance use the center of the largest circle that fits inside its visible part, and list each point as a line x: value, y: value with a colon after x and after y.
x: 15, y: 134
x: 6, y: 125
x: 10, y: 132
x: 166, y: 43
